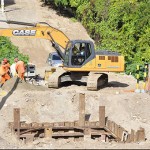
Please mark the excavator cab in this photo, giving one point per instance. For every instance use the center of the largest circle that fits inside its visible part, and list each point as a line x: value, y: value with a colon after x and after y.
x: 78, y: 53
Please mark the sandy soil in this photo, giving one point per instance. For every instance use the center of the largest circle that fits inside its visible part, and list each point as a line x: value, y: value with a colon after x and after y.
x: 40, y: 104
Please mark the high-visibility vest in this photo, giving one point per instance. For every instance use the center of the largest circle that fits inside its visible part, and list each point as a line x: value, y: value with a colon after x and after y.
x: 2, y: 71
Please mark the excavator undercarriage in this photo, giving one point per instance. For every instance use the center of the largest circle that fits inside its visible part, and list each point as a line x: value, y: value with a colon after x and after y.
x: 93, y: 80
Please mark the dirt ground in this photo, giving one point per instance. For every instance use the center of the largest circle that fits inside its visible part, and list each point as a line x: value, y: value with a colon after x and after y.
x: 42, y: 104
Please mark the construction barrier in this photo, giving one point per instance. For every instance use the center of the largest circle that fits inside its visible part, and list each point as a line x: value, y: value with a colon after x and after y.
x: 144, y: 79
x: 148, y: 79
x: 138, y: 79
x: 145, y: 75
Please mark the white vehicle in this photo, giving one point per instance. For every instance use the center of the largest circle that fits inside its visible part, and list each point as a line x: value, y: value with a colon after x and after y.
x: 30, y: 71
x: 54, y: 60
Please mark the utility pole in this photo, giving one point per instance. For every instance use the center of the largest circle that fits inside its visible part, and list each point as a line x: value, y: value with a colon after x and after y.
x: 2, y: 6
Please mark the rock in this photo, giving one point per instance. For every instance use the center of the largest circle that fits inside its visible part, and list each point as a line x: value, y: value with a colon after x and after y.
x: 27, y: 100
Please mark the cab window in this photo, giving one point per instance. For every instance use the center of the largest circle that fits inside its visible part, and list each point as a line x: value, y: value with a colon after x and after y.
x: 80, y: 53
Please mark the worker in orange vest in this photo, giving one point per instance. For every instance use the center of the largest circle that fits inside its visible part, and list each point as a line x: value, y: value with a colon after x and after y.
x: 4, y: 71
x: 20, y: 68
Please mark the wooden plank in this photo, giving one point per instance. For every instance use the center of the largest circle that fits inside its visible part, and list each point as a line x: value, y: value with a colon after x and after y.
x: 60, y: 131
x: 81, y: 110
x: 25, y: 135
x: 28, y: 131
x: 116, y: 130
x: 48, y: 132
x: 99, y: 132
x: 93, y: 124
x: 35, y: 125
x: 28, y: 128
x: 87, y: 131
x: 140, y: 135
x: 128, y: 138
x: 102, y: 116
x: 136, y: 136
x: 113, y: 127
x: 17, y: 121
x: 72, y: 124
x: 16, y: 117
x: 67, y: 134
x: 97, y: 124
x: 107, y: 139
x: 103, y: 138
x: 108, y: 130
x: 108, y: 125
x: 76, y: 123
x: 132, y: 135
x: 61, y: 128
x: 79, y: 128
x: 67, y: 124
x: 58, y: 124
x: 25, y: 125
x: 120, y: 132
x: 87, y: 123
x: 46, y: 124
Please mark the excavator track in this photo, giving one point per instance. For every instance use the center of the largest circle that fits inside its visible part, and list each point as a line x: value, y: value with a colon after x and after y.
x: 96, y: 80
x: 54, y: 79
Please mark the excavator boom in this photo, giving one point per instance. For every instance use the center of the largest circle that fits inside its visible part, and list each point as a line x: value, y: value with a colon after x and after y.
x: 38, y: 30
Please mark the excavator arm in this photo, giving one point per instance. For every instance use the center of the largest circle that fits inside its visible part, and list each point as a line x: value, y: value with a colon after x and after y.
x: 39, y: 30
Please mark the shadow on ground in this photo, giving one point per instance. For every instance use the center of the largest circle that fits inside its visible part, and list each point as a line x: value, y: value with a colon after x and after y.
x: 4, y: 99
x: 117, y: 84
x: 12, y: 10
x: 110, y: 84
x: 9, y: 2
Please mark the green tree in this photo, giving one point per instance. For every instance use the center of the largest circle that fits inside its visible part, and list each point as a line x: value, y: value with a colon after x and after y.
x: 117, y: 25
x: 9, y: 51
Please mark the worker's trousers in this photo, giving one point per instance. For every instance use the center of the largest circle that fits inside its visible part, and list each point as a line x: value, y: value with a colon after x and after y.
x: 21, y: 75
x: 4, y: 78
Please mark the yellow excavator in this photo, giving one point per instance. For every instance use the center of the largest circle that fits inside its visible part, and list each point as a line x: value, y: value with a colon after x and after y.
x: 80, y: 61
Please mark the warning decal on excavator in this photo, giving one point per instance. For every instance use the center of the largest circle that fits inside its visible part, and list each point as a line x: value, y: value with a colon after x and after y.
x: 24, y: 32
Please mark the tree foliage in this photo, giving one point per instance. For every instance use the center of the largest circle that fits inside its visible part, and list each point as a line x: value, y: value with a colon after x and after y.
x: 9, y: 51
x: 117, y: 25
